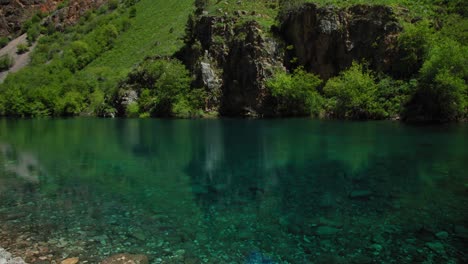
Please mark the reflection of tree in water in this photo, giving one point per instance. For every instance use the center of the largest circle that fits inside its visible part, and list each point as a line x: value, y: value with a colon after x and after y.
x: 244, y: 165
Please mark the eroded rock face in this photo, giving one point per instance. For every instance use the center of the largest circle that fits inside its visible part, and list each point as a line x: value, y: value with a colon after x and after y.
x: 231, y: 60
x: 251, y: 60
x: 13, y: 13
x: 70, y: 14
x: 326, y: 40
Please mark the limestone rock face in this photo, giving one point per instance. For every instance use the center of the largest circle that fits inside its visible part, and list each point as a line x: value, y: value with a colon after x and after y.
x: 232, y: 61
x: 326, y: 40
x: 126, y: 259
x: 251, y: 60
x: 232, y: 58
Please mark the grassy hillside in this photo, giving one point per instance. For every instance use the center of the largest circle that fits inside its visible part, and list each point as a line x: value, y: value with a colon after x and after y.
x: 153, y: 32
x: 73, y: 72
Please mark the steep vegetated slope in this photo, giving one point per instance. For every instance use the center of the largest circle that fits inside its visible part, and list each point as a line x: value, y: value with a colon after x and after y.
x: 328, y: 58
x: 74, y: 70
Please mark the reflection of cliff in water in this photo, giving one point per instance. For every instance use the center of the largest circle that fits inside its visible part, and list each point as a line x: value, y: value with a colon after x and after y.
x: 263, y: 167
x: 317, y: 172
x: 22, y: 164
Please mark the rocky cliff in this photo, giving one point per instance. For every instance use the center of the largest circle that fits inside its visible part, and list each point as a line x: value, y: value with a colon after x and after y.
x: 70, y: 14
x: 326, y: 40
x: 232, y: 59
x: 13, y: 13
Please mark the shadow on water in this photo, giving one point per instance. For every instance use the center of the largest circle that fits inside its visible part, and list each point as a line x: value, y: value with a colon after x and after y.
x: 243, y: 191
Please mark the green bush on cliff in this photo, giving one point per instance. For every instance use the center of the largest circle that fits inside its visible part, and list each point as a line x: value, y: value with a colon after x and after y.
x: 6, y: 61
x: 163, y: 86
x: 413, y: 44
x: 296, y: 93
x: 354, y: 95
x: 443, y: 92
x: 3, y: 42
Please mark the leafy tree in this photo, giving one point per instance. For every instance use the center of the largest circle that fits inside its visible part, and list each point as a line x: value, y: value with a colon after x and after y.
x: 296, y: 93
x: 133, y: 12
x: 33, y: 33
x: 163, y: 87
x: 413, y: 44
x: 71, y: 104
x: 354, y: 94
x: 443, y: 92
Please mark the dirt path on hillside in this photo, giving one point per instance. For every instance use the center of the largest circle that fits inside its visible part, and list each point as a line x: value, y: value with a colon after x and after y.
x: 21, y: 61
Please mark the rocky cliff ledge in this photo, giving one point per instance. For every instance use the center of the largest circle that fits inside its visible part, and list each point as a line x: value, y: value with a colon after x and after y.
x: 232, y: 58
x: 326, y: 40
x: 13, y: 13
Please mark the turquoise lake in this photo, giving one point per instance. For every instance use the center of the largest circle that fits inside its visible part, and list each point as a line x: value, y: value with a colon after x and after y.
x: 234, y: 191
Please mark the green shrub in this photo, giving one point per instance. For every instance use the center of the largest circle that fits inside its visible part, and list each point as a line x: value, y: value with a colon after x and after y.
x: 22, y: 48
x: 133, y: 110
x: 97, y: 103
x: 354, y: 95
x: 133, y: 12
x: 443, y: 92
x: 71, y: 104
x: 296, y: 93
x: 113, y: 4
x: 394, y: 94
x: 6, y: 62
x: 413, y: 44
x: 33, y: 33
x: 163, y: 87
x: 4, y: 41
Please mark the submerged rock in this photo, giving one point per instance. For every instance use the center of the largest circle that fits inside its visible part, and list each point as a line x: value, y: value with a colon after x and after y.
x: 327, y: 231
x: 126, y: 259
x: 360, y: 194
x: 461, y: 232
x: 7, y: 258
x: 70, y: 261
x: 437, y: 247
x: 442, y: 235
x: 258, y: 258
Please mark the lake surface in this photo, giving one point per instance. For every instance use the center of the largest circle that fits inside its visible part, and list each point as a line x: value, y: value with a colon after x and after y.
x: 234, y: 191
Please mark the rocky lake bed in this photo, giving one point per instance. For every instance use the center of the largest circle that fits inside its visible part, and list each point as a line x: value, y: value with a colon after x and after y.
x: 234, y: 191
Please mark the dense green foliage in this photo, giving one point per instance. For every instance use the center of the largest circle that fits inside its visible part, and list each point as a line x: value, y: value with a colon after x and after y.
x: 443, y: 92
x: 75, y: 72
x: 356, y: 94
x: 85, y: 68
x: 3, y: 42
x: 296, y: 93
x: 163, y: 89
x: 22, y: 48
x: 6, y: 62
